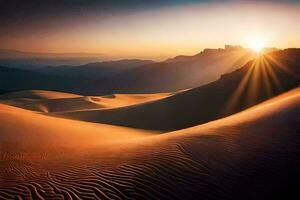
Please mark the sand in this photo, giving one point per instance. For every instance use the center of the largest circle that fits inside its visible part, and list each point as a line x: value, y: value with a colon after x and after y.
x: 253, y: 154
x: 58, y: 102
x: 38, y: 94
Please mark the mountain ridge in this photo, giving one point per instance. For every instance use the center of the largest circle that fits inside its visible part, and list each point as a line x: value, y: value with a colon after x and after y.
x: 231, y: 93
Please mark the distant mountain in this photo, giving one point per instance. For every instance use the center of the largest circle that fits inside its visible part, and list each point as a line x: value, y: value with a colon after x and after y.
x: 61, y: 78
x: 15, y: 54
x: 33, y: 60
x: 130, y: 76
x: 177, y: 73
x: 64, y: 78
x: 258, y: 80
x: 12, y: 79
x: 95, y: 70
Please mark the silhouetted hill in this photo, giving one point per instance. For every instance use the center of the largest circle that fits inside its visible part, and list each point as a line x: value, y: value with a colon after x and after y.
x: 34, y: 60
x: 12, y: 79
x: 95, y: 70
x: 175, y: 74
x: 63, y: 78
x: 137, y: 76
x: 131, y: 76
x: 257, y: 81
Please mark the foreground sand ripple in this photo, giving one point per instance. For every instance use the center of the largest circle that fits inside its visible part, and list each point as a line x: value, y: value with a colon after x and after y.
x: 149, y: 175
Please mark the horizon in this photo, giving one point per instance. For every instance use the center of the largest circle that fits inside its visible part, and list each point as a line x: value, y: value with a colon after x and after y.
x: 104, y: 59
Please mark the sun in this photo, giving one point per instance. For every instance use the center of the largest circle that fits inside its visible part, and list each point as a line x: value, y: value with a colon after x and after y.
x: 257, y: 45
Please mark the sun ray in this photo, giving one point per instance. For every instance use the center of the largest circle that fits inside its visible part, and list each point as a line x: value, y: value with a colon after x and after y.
x: 234, y: 99
x: 254, y: 82
x: 261, y: 76
x: 274, y: 79
x: 280, y: 65
x: 266, y: 78
x: 257, y: 45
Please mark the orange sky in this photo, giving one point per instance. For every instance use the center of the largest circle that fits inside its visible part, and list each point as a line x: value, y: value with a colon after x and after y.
x: 164, y: 32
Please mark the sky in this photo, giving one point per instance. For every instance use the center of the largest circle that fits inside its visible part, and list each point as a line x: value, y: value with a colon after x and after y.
x: 155, y: 29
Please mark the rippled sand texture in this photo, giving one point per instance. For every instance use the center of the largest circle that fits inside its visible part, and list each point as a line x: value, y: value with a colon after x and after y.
x: 250, y: 155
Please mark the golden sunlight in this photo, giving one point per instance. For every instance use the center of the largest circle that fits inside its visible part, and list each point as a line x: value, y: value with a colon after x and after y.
x: 257, y: 45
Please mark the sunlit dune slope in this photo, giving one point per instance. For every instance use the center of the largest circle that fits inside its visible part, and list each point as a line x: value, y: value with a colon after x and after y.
x: 258, y: 80
x: 122, y: 100
x: 49, y: 101
x: 38, y: 94
x: 251, y: 155
x: 282, y: 106
x: 23, y: 131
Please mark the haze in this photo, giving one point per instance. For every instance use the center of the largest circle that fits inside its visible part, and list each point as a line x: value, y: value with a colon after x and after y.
x: 148, y: 30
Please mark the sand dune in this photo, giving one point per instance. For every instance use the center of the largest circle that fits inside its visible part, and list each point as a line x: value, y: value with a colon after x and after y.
x: 49, y: 101
x: 255, y: 82
x: 123, y: 100
x: 28, y: 130
x: 251, y: 155
x: 38, y: 94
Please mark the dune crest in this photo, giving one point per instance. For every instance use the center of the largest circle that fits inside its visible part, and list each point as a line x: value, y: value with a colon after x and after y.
x: 38, y: 94
x: 26, y: 131
x: 59, y: 102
